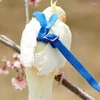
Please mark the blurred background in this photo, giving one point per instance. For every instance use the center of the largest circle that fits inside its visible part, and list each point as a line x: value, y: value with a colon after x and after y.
x: 83, y: 18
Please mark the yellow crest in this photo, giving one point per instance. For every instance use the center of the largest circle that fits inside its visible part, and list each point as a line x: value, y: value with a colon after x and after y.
x: 53, y: 5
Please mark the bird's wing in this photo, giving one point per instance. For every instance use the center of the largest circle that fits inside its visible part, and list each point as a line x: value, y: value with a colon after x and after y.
x: 29, y: 42
x: 65, y: 36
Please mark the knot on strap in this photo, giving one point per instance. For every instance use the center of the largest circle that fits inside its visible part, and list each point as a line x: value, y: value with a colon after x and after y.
x: 45, y: 26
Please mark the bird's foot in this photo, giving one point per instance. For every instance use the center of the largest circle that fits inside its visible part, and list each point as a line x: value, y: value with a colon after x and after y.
x: 61, y: 78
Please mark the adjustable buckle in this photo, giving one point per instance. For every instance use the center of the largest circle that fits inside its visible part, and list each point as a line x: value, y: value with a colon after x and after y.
x: 50, y: 38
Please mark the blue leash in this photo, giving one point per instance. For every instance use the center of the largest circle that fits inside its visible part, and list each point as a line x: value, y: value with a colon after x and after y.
x: 43, y: 36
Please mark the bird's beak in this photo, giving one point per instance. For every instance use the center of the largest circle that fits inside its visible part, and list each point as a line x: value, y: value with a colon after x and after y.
x: 63, y: 18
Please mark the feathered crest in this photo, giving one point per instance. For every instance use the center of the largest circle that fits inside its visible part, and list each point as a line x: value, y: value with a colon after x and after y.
x: 53, y: 5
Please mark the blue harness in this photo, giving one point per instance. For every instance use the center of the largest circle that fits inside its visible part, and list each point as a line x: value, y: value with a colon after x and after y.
x: 43, y: 36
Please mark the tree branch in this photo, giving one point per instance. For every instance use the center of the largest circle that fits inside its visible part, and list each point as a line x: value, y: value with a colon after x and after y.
x: 76, y: 90
x: 26, y: 11
x: 8, y: 42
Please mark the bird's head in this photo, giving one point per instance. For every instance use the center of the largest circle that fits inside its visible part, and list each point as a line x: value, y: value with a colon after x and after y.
x: 53, y: 9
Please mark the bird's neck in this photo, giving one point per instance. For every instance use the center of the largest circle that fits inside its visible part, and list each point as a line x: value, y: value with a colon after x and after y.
x: 39, y: 87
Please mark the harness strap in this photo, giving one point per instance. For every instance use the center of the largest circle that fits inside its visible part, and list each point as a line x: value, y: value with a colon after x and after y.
x: 45, y: 26
x: 56, y: 43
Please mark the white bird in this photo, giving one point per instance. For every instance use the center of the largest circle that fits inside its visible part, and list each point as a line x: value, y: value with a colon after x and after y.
x: 41, y: 61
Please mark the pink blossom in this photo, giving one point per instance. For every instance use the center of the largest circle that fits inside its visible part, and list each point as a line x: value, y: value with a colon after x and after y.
x: 4, y: 70
x: 16, y: 56
x: 18, y: 83
x: 35, y: 2
x: 9, y: 64
x: 17, y: 64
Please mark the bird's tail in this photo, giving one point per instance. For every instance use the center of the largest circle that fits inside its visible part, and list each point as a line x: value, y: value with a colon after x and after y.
x: 39, y: 87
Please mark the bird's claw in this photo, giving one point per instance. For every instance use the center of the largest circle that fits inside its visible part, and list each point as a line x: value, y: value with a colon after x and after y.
x: 61, y: 78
